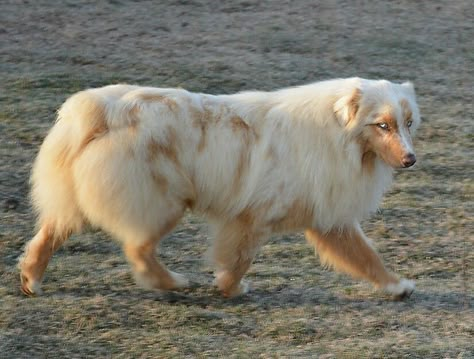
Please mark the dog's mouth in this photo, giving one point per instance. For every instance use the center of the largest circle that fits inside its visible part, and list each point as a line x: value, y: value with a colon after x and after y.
x: 405, y: 162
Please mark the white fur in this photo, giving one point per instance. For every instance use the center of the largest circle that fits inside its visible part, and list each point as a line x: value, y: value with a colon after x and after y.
x: 131, y: 159
x: 403, y: 287
x: 180, y: 281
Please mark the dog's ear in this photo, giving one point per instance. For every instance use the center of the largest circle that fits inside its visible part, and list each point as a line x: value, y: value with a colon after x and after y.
x: 347, y: 106
x: 408, y: 86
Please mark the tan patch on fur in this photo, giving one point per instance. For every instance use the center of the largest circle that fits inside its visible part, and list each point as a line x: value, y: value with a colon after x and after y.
x: 270, y: 153
x: 407, y: 113
x: 189, y: 203
x: 147, y: 268
x: 388, y: 117
x: 167, y: 149
x: 151, y: 97
x: 368, y: 161
x: 367, y: 109
x: 354, y: 104
x: 395, y: 148
x: 368, y: 156
x: 281, y: 188
x: 134, y: 119
x: 172, y: 136
x: 63, y: 158
x: 172, y: 140
x: 99, y: 127
x: 94, y: 114
x: 386, y: 145
x: 235, y: 248
x: 348, y: 251
x: 248, y: 135
x: 246, y: 217
x: 153, y: 149
x: 201, y: 120
x: 160, y: 181
x: 242, y: 166
x: 202, y: 141
x: 298, y: 215
x: 251, y: 217
x: 238, y: 124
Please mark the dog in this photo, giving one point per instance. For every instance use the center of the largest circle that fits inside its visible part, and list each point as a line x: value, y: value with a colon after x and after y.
x: 131, y: 160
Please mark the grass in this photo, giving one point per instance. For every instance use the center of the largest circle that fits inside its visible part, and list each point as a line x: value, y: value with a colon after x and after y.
x: 92, y: 307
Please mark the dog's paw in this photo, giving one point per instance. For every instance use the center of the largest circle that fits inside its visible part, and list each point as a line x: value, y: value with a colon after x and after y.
x: 401, y: 290
x: 224, y: 281
x: 170, y: 281
x: 241, y: 289
x: 29, y: 287
x: 180, y: 281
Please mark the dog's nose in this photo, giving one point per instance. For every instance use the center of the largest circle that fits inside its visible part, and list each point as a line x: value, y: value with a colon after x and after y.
x: 409, y: 160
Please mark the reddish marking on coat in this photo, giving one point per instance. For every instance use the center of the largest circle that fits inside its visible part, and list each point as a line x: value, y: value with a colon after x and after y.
x: 160, y: 181
x: 202, y: 120
x: 238, y: 124
x: 368, y: 161
x: 390, y: 119
x: 248, y: 136
x: 297, y: 215
x: 368, y: 155
x: 134, y: 118
x: 167, y: 147
x: 93, y: 112
x: 153, y: 149
x: 407, y: 113
x: 354, y: 104
x: 189, y: 203
x: 270, y: 153
x: 154, y: 97
x: 386, y: 145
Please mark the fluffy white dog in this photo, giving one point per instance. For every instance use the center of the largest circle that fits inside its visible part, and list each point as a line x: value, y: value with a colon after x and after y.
x: 131, y: 160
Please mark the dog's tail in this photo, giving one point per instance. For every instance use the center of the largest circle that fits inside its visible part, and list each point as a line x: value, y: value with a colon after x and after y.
x: 81, y: 119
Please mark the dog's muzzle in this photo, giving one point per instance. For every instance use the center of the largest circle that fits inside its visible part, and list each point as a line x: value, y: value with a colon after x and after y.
x: 409, y: 160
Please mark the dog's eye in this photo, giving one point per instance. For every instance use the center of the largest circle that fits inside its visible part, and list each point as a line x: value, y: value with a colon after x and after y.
x: 409, y: 123
x: 383, y: 125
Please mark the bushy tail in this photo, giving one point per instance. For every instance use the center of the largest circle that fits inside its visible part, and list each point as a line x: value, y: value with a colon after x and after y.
x: 80, y: 120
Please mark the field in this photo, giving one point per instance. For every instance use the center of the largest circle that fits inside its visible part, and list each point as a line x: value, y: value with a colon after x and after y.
x: 91, y: 306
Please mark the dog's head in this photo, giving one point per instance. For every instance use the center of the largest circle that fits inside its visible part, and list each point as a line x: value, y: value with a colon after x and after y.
x: 382, y: 117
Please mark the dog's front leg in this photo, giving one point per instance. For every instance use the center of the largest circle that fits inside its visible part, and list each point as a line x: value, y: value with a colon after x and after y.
x: 348, y: 250
x: 233, y: 251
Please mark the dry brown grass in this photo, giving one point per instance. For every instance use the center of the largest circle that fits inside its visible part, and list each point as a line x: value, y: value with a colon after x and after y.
x: 92, y: 308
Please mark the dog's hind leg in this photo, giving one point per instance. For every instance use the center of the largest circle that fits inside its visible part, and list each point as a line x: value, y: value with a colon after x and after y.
x: 349, y: 251
x: 38, y: 252
x: 148, y: 271
x: 233, y: 251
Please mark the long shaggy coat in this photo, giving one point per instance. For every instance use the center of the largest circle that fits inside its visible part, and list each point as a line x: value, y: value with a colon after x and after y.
x: 132, y: 159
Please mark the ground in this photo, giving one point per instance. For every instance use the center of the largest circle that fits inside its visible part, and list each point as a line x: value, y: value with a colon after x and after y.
x: 424, y: 230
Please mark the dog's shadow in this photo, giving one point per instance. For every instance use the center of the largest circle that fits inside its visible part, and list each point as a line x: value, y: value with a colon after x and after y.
x: 283, y: 297
x: 290, y: 298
